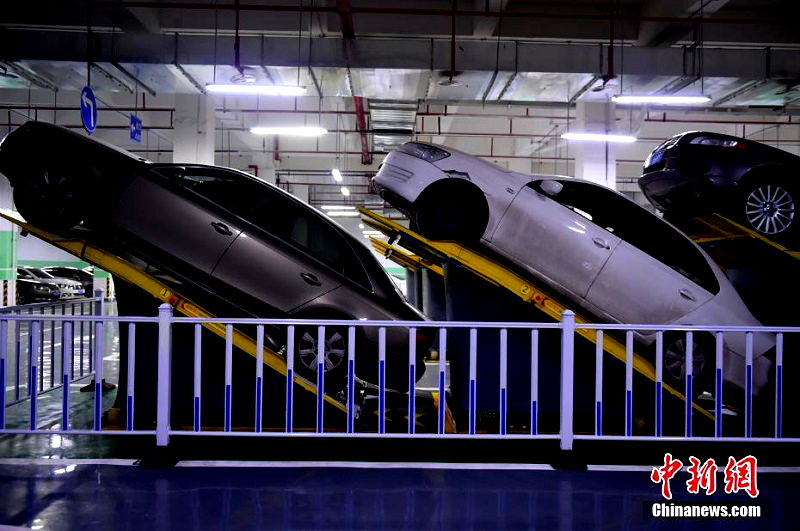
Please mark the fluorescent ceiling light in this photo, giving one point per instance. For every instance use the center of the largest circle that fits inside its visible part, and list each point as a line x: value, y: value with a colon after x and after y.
x: 256, y: 90
x: 289, y: 131
x: 599, y: 137
x: 337, y: 207
x: 337, y: 175
x: 342, y: 213
x: 368, y: 236
x: 661, y: 100
x: 345, y: 191
x: 371, y: 232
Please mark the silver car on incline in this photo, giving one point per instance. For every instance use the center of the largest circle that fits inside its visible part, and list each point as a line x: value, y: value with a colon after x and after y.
x: 603, y: 251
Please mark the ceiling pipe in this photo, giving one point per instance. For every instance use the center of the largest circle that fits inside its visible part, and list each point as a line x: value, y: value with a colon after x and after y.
x: 431, y: 12
x: 361, y: 123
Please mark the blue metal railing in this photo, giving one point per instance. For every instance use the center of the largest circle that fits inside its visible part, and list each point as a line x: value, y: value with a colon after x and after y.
x: 568, y: 366
x: 31, y: 344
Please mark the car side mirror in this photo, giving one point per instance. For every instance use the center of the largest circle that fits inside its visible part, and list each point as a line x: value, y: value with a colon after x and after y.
x: 551, y: 188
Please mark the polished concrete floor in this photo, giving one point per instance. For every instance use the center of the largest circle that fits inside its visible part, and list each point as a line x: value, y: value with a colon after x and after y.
x: 102, y: 496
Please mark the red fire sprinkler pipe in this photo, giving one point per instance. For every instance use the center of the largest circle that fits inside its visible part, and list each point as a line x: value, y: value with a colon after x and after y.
x: 361, y: 125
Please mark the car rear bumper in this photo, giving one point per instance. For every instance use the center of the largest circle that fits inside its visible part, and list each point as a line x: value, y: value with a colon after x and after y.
x: 406, y: 176
x: 678, y: 193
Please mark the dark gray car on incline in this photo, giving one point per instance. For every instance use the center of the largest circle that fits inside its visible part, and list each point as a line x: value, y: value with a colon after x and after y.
x: 242, y: 242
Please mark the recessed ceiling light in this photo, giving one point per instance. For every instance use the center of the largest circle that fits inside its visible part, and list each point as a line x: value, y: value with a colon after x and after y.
x: 288, y: 131
x: 337, y: 175
x: 248, y: 89
x: 345, y: 191
x: 660, y: 100
x: 599, y: 137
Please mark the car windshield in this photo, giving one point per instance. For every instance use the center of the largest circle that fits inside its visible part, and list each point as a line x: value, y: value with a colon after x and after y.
x: 40, y: 273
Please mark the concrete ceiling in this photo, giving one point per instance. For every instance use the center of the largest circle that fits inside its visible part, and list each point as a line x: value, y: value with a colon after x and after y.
x: 499, y: 78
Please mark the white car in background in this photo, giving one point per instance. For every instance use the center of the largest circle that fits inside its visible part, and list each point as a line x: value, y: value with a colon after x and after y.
x: 603, y: 251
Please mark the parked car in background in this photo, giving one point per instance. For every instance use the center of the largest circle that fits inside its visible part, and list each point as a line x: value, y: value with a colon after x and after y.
x: 222, y: 232
x: 30, y: 291
x: 79, y: 275
x: 68, y: 288
x: 601, y: 250
x: 752, y: 183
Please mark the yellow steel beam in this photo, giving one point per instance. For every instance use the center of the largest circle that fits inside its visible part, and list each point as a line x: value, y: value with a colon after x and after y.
x: 129, y: 272
x: 722, y: 228
x: 402, y: 258
x: 521, y: 287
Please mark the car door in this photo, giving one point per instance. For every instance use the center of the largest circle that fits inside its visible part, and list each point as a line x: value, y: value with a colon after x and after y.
x: 545, y: 233
x: 164, y: 212
x: 655, y: 275
x: 288, y: 255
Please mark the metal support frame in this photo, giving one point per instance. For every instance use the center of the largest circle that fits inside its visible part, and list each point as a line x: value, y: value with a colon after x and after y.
x: 164, y: 374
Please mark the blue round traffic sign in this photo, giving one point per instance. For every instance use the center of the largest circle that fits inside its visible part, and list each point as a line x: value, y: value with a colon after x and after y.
x: 88, y: 110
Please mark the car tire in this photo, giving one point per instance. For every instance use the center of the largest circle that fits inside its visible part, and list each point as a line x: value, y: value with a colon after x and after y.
x: 305, y: 356
x: 452, y: 212
x: 51, y: 199
x: 769, y: 208
x: 674, y: 362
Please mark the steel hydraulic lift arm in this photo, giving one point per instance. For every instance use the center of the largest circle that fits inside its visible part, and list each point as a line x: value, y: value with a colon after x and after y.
x: 437, y: 252
x: 714, y: 227
x: 133, y: 274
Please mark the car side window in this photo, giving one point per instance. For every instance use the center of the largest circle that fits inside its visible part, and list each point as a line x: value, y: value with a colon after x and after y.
x: 305, y: 229
x: 232, y: 192
x: 278, y: 215
x: 638, y: 227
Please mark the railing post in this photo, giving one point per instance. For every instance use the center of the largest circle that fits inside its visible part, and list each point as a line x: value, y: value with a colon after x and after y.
x: 567, y: 377
x: 164, y: 377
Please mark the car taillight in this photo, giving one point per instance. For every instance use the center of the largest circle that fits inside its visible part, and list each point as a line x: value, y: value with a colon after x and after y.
x: 424, y: 151
x: 719, y: 142
x: 425, y: 338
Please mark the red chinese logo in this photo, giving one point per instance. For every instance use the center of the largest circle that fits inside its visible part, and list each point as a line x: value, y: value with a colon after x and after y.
x: 741, y: 475
x: 665, y: 473
x: 738, y: 475
x: 703, y: 476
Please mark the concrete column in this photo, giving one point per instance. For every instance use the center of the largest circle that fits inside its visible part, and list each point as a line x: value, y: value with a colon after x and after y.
x: 193, y: 135
x: 595, y: 161
x: 8, y: 249
x: 300, y: 191
x: 266, y: 166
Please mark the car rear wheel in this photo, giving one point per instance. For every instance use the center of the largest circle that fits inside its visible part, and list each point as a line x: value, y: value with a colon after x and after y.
x: 769, y: 208
x: 51, y: 199
x: 452, y: 212
x: 674, y: 362
x: 334, y: 351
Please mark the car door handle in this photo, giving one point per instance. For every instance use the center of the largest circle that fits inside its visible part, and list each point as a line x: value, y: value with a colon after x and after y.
x: 686, y: 294
x: 311, y: 279
x: 221, y: 228
x: 600, y: 242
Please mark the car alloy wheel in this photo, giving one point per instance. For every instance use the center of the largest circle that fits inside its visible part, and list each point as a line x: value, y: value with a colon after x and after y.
x: 334, y: 349
x: 769, y: 209
x: 50, y: 199
x: 675, y: 359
